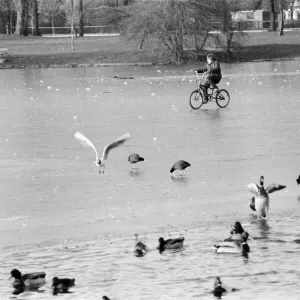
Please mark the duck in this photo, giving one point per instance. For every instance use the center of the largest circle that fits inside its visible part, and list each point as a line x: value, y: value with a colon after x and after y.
x: 219, y: 290
x: 234, y: 246
x: 134, y: 158
x: 180, y: 165
x: 31, y: 280
x: 298, y: 180
x: 62, y: 285
x: 140, y: 249
x: 236, y: 232
x: 260, y: 202
x: 105, y: 298
x: 170, y: 243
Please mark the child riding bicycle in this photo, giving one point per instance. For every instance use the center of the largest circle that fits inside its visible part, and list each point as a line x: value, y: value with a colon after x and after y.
x: 214, y: 75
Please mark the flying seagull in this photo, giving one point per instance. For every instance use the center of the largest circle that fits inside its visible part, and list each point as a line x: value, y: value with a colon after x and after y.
x: 101, y: 162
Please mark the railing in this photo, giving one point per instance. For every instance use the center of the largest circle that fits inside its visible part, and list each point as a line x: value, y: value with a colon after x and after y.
x: 88, y: 30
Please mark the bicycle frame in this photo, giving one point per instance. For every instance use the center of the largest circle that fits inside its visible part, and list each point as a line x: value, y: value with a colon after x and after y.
x: 199, y: 85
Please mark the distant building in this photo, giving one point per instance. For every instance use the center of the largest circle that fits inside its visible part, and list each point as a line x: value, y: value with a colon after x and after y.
x: 295, y: 12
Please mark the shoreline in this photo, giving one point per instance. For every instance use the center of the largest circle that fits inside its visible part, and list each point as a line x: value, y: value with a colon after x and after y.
x: 125, y: 64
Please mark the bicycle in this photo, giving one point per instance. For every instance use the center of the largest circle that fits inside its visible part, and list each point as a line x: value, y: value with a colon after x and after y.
x: 222, y: 97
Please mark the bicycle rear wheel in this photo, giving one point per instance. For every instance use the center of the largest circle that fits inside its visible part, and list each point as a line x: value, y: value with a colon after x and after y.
x: 222, y: 98
x: 196, y: 99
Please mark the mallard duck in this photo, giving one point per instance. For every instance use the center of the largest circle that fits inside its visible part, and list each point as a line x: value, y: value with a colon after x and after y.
x: 180, y: 165
x: 260, y: 202
x: 236, y: 232
x: 170, y: 243
x: 219, y: 290
x: 234, y: 246
x: 31, y: 280
x: 62, y: 285
x: 140, y: 249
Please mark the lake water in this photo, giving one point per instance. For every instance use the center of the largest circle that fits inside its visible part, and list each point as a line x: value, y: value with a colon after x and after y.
x: 60, y: 216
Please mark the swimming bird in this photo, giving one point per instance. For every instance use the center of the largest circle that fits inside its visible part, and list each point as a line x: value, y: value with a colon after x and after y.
x: 236, y: 232
x: 170, y: 243
x: 233, y: 246
x: 298, y: 180
x: 101, y: 162
x: 62, y: 285
x: 134, y: 158
x: 180, y: 165
x: 140, y: 249
x: 219, y: 289
x: 31, y: 280
x: 260, y: 202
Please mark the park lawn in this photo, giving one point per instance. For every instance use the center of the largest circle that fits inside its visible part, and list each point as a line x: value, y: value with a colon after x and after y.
x: 42, y: 51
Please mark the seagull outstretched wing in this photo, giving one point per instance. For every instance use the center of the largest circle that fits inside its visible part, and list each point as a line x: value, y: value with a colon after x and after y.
x: 86, y: 143
x: 119, y: 141
x: 274, y: 187
x: 252, y: 187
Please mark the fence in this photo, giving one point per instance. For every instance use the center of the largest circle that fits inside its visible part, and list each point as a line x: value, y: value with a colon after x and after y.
x: 88, y: 30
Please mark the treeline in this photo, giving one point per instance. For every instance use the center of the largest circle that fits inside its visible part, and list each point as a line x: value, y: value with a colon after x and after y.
x: 167, y: 23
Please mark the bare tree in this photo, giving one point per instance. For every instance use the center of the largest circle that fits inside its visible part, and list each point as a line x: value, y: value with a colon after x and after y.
x: 22, y: 17
x: 71, y: 13
x: 81, y: 24
x: 51, y: 8
x: 7, y: 8
x: 170, y: 22
x: 35, y: 17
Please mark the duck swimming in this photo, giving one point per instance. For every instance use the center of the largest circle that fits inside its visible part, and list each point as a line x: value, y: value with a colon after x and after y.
x: 219, y: 290
x: 180, y: 165
x: 236, y: 232
x: 170, y: 244
x: 140, y: 249
x: 260, y: 202
x: 31, y: 280
x: 234, y: 246
x: 62, y: 285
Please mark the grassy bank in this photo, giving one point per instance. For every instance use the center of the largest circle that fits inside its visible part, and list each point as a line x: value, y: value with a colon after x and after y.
x: 41, y: 51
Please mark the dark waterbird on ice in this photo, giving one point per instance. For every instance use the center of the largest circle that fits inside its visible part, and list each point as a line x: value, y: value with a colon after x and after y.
x: 62, y: 285
x: 170, y: 243
x: 260, y: 202
x: 134, y: 158
x: 180, y: 165
x: 105, y: 298
x: 29, y: 281
x: 219, y: 290
x: 298, y: 180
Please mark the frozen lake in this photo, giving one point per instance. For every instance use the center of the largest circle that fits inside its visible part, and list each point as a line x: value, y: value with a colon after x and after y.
x: 60, y: 216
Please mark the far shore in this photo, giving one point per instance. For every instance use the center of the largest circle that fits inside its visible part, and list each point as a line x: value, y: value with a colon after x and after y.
x: 102, y: 51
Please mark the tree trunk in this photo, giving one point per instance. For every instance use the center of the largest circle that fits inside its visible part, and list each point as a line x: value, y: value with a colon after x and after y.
x: 81, y: 18
x: 72, y: 24
x: 272, y: 16
x: 281, y: 21
x: 36, y: 29
x: 142, y: 41
x: 21, y: 28
x: 52, y: 24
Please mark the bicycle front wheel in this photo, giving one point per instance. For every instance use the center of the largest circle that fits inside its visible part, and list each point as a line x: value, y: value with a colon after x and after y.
x: 196, y: 100
x: 222, y: 98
